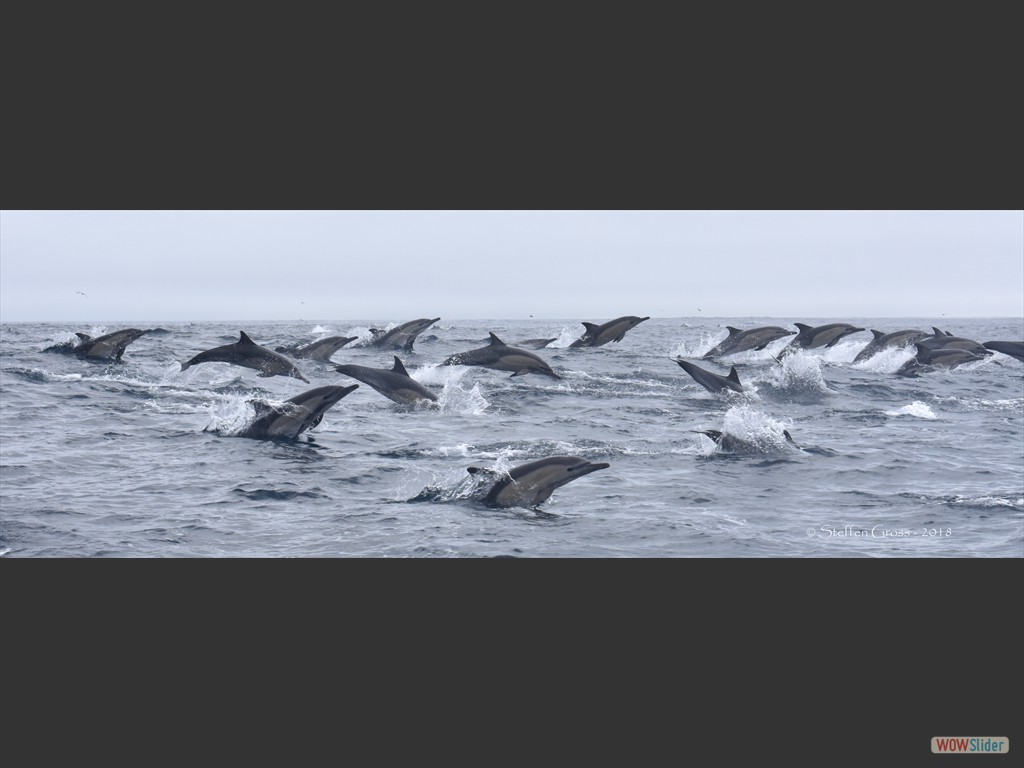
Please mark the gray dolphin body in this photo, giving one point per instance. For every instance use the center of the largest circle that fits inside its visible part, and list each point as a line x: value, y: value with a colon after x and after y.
x: 535, y: 343
x: 613, y: 330
x: 820, y: 336
x: 248, y: 354
x: 321, y: 349
x: 110, y: 346
x: 500, y: 357
x: 1011, y: 348
x: 944, y: 340
x: 929, y: 359
x: 294, y: 416
x: 884, y: 341
x: 401, y: 337
x: 531, y: 484
x: 740, y: 341
x: 396, y: 384
x: 712, y: 382
x: 739, y: 446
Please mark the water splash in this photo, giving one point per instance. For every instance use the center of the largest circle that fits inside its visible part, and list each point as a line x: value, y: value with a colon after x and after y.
x: 799, y: 373
x: 755, y: 431
x: 887, y: 361
x: 454, y: 397
x: 916, y: 408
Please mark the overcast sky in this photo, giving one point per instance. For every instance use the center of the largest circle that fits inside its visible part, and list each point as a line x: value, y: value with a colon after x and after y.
x: 393, y: 266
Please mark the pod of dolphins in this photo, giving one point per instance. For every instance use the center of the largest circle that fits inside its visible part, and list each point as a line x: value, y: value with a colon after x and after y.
x: 531, y: 484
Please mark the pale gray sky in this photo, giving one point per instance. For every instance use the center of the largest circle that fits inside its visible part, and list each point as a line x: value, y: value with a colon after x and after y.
x: 593, y: 265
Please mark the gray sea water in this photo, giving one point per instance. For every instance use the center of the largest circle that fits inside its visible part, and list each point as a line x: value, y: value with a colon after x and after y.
x: 138, y: 459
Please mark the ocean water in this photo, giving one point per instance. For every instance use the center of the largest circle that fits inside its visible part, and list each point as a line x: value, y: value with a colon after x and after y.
x: 140, y: 459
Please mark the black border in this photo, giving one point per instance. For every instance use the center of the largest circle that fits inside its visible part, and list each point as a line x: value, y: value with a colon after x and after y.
x: 725, y: 661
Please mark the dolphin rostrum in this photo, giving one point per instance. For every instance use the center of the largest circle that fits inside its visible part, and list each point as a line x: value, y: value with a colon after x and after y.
x: 883, y: 341
x: 248, y: 354
x: 1011, y: 348
x: 395, y: 384
x: 613, y: 330
x: 820, y: 336
x: 290, y: 419
x: 401, y: 337
x: 712, y: 382
x: 322, y: 349
x: 501, y: 357
x: 740, y: 341
x: 529, y: 485
x: 107, y: 347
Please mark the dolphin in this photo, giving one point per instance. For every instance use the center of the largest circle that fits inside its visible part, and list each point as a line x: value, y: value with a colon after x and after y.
x: 728, y: 443
x: 946, y: 340
x: 322, y: 349
x: 535, y: 343
x: 401, y: 337
x: 501, y: 357
x: 712, y: 382
x: 821, y: 336
x: 613, y: 330
x: 883, y: 341
x: 740, y: 341
x: 248, y: 354
x: 395, y: 384
x: 928, y: 359
x: 107, y: 347
x: 529, y: 485
x: 1011, y: 348
x: 294, y: 416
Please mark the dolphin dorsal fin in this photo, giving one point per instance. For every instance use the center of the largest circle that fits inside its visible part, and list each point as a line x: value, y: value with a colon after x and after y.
x: 591, y: 327
x: 245, y: 339
x: 937, y: 332
x: 878, y: 334
x: 732, y: 331
x: 496, y: 342
x: 733, y: 376
x: 83, y: 336
x: 802, y: 327
x: 399, y: 368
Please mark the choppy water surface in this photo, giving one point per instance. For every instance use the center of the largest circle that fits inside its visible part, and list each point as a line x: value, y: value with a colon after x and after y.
x: 138, y: 459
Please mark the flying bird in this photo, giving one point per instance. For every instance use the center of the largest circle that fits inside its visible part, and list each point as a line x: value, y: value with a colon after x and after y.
x: 82, y: 294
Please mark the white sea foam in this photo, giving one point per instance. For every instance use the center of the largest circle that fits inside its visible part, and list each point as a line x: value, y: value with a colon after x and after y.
x: 916, y: 408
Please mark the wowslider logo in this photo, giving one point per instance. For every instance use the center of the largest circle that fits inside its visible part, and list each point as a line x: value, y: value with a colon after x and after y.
x: 978, y: 745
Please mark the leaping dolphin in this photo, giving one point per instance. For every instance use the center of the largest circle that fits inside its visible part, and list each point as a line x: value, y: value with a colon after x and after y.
x: 294, y: 416
x: 396, y: 384
x: 740, y: 341
x: 107, y: 347
x: 248, y: 354
x: 401, y: 337
x: 613, y: 330
x: 1011, y: 348
x: 820, y: 336
x: 883, y: 341
x: 322, y: 349
x: 712, y: 382
x: 928, y: 359
x: 500, y: 357
x: 945, y: 340
x: 529, y: 485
